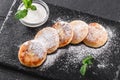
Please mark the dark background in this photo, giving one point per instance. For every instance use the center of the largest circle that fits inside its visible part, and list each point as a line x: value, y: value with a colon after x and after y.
x: 109, y: 9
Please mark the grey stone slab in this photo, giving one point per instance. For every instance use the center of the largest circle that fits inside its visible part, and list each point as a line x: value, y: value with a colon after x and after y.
x: 5, y: 6
x: 67, y: 60
x: 7, y: 74
x: 1, y: 21
x: 109, y: 9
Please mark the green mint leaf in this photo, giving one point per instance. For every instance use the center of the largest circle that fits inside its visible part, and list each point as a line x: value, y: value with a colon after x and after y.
x: 29, y: 3
x: 25, y: 2
x: 87, y: 60
x: 83, y: 69
x: 33, y: 7
x: 21, y: 14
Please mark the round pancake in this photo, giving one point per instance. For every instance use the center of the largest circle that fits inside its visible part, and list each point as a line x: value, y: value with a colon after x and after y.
x: 49, y: 37
x: 65, y: 32
x: 32, y: 53
x: 97, y: 35
x: 80, y: 31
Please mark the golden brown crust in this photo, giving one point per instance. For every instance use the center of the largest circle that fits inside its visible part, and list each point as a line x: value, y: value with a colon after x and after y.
x: 80, y: 31
x: 38, y: 34
x: 97, y: 35
x: 49, y: 37
x: 65, y: 32
x: 28, y: 58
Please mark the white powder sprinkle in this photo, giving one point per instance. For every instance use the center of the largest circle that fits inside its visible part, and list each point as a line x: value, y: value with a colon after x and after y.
x: 36, y: 48
x: 51, y: 59
x: 102, y: 65
x: 96, y: 32
x: 75, y: 54
x: 80, y: 29
x: 49, y: 37
x: 59, y: 19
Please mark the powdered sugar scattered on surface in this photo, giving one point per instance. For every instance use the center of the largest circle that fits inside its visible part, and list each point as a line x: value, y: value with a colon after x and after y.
x: 75, y: 54
x: 51, y: 59
x: 102, y: 65
x: 57, y: 20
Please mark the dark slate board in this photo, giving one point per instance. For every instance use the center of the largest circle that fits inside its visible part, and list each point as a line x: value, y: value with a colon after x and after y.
x: 7, y: 74
x: 108, y: 9
x: 3, y: 8
x: 65, y: 63
x: 1, y: 21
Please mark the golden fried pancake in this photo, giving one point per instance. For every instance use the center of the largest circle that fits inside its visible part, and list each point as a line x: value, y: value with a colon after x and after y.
x: 48, y: 37
x: 80, y: 31
x: 32, y: 53
x: 65, y: 32
x: 97, y: 35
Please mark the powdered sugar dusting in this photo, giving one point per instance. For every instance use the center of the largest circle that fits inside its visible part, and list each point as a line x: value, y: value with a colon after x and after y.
x: 80, y: 30
x: 49, y: 37
x: 36, y: 48
x: 95, y: 33
x: 102, y: 65
x: 65, y: 32
x: 51, y: 59
x: 57, y: 20
x: 75, y: 54
x: 42, y: 40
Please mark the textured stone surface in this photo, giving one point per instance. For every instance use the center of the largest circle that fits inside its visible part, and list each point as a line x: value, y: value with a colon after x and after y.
x: 1, y: 21
x: 14, y: 34
x: 7, y: 74
x: 109, y: 9
x: 5, y: 6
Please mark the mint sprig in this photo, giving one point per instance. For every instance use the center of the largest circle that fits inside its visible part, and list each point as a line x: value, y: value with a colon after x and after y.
x: 22, y: 13
x: 86, y: 62
x: 29, y: 3
x: 25, y: 2
x: 33, y: 7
